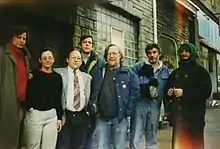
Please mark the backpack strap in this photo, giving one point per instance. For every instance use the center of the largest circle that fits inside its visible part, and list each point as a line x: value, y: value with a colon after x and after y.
x: 92, y: 64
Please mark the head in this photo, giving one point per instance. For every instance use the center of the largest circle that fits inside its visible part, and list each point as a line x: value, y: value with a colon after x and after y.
x: 19, y: 36
x: 113, y: 55
x: 187, y: 52
x: 46, y: 58
x: 74, y: 59
x: 153, y: 52
x: 86, y: 43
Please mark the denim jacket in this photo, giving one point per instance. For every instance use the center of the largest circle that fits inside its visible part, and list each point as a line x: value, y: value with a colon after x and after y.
x: 163, y: 74
x: 127, y: 90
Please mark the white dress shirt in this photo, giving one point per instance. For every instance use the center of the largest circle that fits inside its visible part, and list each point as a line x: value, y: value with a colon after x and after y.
x: 70, y: 91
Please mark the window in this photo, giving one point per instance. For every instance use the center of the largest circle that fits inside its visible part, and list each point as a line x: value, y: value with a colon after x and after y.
x: 117, y: 37
x: 168, y: 51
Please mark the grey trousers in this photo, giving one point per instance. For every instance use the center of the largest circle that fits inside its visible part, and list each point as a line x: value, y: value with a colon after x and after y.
x: 40, y: 129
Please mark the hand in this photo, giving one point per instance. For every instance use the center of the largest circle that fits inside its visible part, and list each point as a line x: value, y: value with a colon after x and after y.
x: 165, y: 117
x: 31, y: 109
x: 178, y: 92
x: 170, y: 92
x: 59, y: 125
x: 30, y: 75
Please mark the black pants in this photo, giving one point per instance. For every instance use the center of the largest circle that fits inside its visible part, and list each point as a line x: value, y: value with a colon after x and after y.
x: 187, y: 136
x: 74, y: 131
x: 89, y: 137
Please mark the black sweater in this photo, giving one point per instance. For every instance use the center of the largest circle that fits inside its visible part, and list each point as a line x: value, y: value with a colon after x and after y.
x: 44, y: 92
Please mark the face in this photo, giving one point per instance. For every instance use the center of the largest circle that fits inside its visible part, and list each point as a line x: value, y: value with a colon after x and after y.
x: 86, y: 45
x: 19, y: 40
x: 47, y: 59
x: 153, y: 55
x: 113, y: 56
x: 184, y: 54
x: 75, y: 59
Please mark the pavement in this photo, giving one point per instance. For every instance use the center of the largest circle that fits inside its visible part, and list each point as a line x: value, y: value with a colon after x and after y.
x: 211, y: 133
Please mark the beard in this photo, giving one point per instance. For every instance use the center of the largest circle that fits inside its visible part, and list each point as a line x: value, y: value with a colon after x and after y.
x: 153, y: 61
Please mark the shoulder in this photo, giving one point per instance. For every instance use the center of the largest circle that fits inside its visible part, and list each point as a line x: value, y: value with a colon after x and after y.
x: 201, y: 70
x: 85, y: 75
x: 56, y: 74
x: 60, y: 70
x: 139, y: 64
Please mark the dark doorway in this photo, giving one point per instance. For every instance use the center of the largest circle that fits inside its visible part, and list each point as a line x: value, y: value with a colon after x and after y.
x: 45, y: 31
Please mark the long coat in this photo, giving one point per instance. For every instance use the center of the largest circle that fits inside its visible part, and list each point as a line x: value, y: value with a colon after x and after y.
x: 10, y: 110
x: 196, y: 84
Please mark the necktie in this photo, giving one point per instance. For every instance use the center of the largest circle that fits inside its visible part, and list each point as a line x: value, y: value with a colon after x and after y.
x: 76, y: 101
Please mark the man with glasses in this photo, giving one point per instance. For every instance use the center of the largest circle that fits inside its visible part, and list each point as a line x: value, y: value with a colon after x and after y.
x: 152, y: 77
x: 76, y: 93
x: 115, y: 90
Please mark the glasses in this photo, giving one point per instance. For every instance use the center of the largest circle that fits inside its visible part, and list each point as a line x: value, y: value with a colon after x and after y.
x: 75, y: 58
x: 113, y: 53
x: 47, y: 58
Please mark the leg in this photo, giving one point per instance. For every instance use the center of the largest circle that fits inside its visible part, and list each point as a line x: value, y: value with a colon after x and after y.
x: 33, y: 128
x: 89, y: 138
x: 138, y: 122
x: 120, y: 134
x: 152, y: 125
x: 64, y: 136
x: 49, y: 137
x: 78, y: 135
x: 103, y: 130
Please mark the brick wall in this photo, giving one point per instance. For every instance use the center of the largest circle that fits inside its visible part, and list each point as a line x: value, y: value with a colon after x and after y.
x: 173, y: 21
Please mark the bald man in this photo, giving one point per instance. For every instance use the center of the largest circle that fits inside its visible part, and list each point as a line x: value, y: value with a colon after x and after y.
x: 76, y: 93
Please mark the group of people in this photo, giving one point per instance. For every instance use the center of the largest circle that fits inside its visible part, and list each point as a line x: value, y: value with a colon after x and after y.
x: 64, y: 108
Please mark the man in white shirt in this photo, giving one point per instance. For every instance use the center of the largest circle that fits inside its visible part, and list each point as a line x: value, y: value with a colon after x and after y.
x: 76, y: 92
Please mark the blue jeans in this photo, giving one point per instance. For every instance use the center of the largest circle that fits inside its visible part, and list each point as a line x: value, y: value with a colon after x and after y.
x: 105, y: 130
x: 145, y: 121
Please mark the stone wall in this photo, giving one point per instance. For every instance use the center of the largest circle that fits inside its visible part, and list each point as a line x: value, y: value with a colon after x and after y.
x: 137, y: 38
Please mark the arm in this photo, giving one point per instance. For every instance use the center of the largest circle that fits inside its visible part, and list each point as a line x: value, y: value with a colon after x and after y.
x: 95, y: 86
x: 59, y: 98
x: 88, y: 88
x: 201, y: 90
x: 134, y: 93
x: 29, y: 92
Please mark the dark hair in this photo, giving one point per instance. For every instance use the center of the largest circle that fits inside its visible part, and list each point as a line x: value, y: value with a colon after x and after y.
x: 107, y: 49
x: 18, y: 30
x: 83, y: 37
x: 46, y: 49
x: 151, y: 46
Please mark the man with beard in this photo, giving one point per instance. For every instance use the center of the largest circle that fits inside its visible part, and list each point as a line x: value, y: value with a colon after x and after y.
x: 187, y: 89
x: 14, y: 67
x: 152, y: 77
x: 90, y: 61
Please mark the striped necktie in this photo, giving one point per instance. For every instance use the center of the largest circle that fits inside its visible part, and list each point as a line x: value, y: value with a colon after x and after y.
x: 76, y: 101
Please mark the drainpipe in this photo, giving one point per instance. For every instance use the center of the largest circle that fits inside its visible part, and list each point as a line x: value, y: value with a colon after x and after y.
x: 155, y: 20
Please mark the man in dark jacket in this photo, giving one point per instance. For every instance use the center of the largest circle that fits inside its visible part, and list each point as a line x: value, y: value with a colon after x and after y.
x: 187, y: 89
x: 89, y: 62
x: 14, y: 66
x: 115, y: 89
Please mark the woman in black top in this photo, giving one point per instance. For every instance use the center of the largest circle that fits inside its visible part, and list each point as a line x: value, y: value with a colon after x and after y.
x: 43, y: 105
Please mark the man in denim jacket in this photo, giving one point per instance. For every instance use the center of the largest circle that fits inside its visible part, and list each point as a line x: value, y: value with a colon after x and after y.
x: 152, y: 77
x: 115, y: 89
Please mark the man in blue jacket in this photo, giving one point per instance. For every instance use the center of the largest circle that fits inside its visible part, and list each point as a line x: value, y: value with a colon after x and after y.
x: 152, y: 77
x: 115, y: 89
